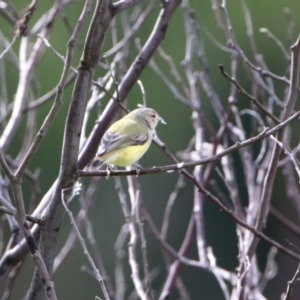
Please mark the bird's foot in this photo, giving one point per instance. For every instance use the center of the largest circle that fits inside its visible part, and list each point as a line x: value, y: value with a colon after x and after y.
x: 138, y: 168
x: 109, y: 169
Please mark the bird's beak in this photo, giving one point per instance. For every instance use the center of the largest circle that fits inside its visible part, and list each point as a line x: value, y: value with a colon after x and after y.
x: 162, y: 120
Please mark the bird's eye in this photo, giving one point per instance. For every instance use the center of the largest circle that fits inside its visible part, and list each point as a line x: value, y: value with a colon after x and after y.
x: 153, y: 116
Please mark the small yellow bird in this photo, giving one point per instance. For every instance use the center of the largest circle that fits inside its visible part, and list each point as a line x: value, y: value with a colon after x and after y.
x: 127, y: 140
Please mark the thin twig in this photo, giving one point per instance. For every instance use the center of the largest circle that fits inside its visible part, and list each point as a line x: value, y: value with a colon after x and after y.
x: 290, y: 284
x: 85, y: 250
x: 252, y: 99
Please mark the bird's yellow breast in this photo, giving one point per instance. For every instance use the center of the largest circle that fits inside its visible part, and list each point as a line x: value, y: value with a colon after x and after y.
x: 126, y: 156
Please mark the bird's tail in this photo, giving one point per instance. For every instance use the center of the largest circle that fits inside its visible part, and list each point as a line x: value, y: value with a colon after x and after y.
x: 94, y: 165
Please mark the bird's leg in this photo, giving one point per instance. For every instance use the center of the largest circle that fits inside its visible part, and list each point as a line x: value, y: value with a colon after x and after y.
x: 138, y: 168
x: 109, y: 169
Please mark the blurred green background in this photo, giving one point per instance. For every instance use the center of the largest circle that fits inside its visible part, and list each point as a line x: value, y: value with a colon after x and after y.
x: 106, y: 214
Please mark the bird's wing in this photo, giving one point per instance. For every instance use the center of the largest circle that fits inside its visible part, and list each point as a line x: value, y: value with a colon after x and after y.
x: 113, y: 140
